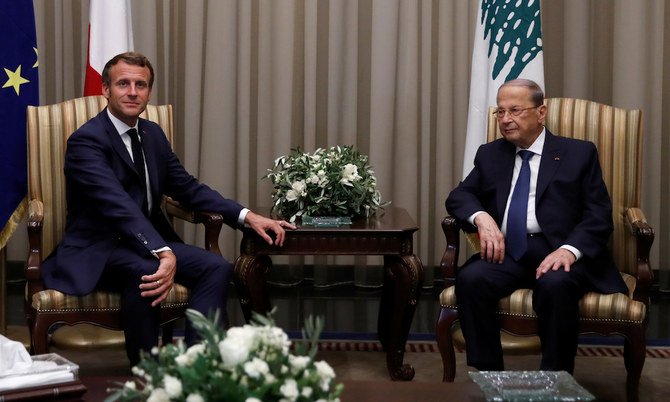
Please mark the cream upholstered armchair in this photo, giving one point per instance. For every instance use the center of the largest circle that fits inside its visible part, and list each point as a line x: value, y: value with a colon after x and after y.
x: 48, y: 130
x: 617, y: 134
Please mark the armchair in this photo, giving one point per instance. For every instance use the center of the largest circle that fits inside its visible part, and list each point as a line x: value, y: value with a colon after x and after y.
x: 617, y: 133
x: 48, y: 130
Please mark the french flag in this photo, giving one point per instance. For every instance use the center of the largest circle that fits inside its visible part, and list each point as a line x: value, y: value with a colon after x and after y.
x: 110, y: 32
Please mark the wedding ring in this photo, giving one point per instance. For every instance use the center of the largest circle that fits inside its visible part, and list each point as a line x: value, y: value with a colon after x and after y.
x: 158, y: 282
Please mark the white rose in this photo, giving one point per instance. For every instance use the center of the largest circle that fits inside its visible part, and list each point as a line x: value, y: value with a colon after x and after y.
x: 252, y: 400
x: 280, y: 339
x: 130, y: 385
x: 298, y: 363
x: 325, y: 373
x: 290, y: 389
x: 195, y: 398
x: 192, y: 353
x: 350, y: 172
x: 232, y: 353
x: 314, y: 179
x: 236, y: 346
x: 158, y: 395
x: 299, y: 187
x: 256, y: 368
x: 269, y: 378
x: 172, y: 386
x: 182, y: 360
x: 292, y: 195
x: 324, y: 369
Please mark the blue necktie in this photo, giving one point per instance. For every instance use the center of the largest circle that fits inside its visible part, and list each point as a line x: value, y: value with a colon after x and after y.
x: 517, y: 231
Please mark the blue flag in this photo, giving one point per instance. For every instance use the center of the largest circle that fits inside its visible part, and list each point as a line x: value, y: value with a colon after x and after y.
x: 18, y: 89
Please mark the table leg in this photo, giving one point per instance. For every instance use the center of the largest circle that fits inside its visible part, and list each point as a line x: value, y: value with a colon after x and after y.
x: 251, y: 284
x: 403, y: 278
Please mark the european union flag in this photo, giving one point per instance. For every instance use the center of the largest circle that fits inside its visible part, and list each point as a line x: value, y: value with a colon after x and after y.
x: 18, y: 89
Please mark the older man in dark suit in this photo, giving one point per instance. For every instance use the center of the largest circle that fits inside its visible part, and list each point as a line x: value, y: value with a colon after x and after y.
x: 543, y: 215
x: 117, y: 169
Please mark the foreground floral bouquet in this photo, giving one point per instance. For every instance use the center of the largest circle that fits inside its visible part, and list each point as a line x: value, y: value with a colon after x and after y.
x: 329, y: 182
x: 251, y: 363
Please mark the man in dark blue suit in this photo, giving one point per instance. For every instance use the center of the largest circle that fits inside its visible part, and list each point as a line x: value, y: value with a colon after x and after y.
x: 553, y: 239
x: 116, y: 236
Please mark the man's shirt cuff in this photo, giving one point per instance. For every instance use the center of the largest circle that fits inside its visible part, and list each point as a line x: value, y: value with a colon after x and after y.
x: 160, y: 250
x: 242, y: 216
x: 472, y: 217
x: 577, y: 253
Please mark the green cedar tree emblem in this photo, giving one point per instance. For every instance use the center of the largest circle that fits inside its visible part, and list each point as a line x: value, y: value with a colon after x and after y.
x: 512, y: 24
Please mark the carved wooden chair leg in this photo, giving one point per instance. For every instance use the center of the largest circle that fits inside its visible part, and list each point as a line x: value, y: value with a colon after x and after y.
x: 634, y: 356
x: 445, y: 343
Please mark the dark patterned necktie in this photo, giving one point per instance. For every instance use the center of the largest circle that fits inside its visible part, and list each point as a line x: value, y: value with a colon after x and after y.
x: 517, y: 231
x: 138, y: 160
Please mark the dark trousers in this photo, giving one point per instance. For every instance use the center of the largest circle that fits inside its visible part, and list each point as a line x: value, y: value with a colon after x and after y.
x: 204, y: 273
x: 556, y: 294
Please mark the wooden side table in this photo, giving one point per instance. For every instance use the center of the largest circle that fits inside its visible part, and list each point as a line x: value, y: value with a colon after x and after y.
x: 390, y: 234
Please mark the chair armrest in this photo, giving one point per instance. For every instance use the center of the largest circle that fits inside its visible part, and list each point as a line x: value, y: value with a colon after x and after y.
x: 33, y: 267
x: 636, y: 222
x: 449, y: 261
x: 213, y: 222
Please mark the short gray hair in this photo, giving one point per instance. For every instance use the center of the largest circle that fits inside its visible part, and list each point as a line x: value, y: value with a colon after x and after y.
x: 536, y: 93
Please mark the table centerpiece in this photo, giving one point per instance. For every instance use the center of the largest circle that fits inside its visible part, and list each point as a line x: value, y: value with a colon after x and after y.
x: 251, y: 363
x: 333, y: 182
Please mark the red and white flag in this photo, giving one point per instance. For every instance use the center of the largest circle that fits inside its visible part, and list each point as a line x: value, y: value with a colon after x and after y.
x: 110, y: 32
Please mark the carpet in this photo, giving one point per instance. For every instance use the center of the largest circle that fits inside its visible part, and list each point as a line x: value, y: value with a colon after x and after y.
x: 598, y: 368
x: 431, y: 347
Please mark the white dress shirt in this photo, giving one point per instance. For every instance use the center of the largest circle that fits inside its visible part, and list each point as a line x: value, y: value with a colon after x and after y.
x: 122, y: 129
x: 531, y: 220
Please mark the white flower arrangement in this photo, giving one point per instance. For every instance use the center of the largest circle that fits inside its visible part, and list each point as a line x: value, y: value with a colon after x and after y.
x: 252, y: 363
x: 328, y: 182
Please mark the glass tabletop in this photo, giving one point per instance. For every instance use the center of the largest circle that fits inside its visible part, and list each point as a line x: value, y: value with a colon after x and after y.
x: 517, y: 386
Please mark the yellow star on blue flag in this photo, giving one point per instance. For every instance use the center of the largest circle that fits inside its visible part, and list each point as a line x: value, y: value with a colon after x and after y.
x: 15, y: 80
x: 18, y: 89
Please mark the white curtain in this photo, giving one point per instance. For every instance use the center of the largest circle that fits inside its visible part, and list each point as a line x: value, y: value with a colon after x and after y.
x: 251, y: 79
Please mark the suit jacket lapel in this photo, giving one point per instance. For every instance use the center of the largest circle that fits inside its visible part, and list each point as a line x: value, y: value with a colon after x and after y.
x: 150, y: 160
x: 505, y: 171
x: 117, y: 142
x: 549, y: 164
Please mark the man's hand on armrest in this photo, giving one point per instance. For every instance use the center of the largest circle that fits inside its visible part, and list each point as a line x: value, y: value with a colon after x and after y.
x: 491, y: 239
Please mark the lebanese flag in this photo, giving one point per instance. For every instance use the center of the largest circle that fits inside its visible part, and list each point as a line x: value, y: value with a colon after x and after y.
x: 508, y: 45
x: 110, y: 32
